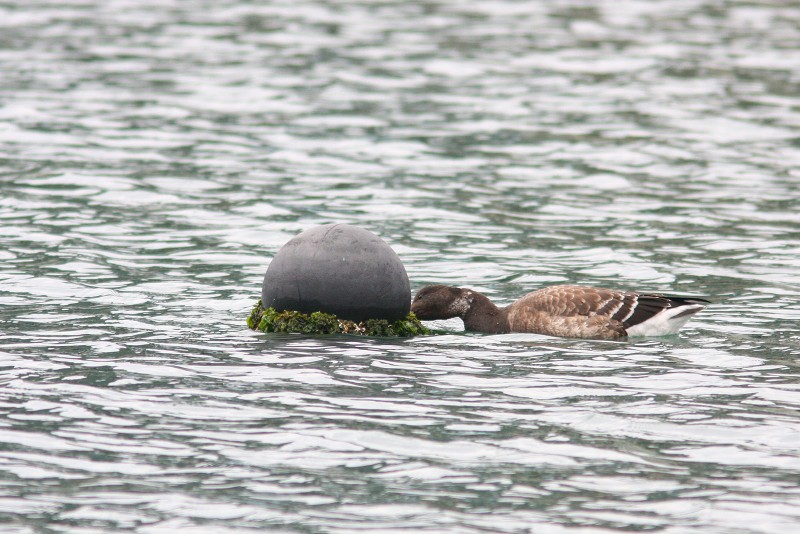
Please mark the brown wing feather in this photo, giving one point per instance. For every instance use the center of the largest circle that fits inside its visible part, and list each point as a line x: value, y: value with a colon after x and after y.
x: 569, y: 311
x: 626, y: 307
x: 568, y: 300
x: 588, y: 312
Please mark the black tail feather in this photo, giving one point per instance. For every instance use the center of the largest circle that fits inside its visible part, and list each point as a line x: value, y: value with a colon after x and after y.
x: 648, y: 305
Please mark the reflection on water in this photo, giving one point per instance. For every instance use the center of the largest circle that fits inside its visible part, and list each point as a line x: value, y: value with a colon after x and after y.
x: 156, y: 155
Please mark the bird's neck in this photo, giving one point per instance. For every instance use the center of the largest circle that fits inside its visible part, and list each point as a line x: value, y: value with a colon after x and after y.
x: 484, y: 316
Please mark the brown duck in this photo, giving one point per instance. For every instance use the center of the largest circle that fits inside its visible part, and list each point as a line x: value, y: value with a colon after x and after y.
x: 564, y: 310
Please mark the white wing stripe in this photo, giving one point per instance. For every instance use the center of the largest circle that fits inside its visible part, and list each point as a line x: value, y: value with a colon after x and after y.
x: 633, y: 308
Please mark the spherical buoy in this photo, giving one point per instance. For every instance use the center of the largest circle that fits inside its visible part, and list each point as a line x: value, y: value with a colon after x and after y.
x: 339, y: 269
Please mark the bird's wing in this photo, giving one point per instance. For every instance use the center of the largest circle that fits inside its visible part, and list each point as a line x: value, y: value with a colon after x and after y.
x: 626, y: 307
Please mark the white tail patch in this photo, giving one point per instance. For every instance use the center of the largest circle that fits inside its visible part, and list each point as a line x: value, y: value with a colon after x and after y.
x: 665, y: 322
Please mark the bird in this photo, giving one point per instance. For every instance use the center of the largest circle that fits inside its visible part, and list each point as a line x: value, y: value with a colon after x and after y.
x: 573, y: 311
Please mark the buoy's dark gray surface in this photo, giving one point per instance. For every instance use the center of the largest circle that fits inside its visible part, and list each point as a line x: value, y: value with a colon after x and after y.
x: 339, y: 269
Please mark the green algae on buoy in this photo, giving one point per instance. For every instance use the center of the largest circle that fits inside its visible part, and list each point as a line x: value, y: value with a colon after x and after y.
x: 319, y: 323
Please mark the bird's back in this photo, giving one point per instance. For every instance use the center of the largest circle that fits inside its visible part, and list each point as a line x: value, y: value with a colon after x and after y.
x: 590, y: 312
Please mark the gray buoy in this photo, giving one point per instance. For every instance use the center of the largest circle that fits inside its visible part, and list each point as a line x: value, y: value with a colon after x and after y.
x: 338, y: 269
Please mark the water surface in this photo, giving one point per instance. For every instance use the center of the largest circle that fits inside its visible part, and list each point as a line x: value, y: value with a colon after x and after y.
x: 155, y: 155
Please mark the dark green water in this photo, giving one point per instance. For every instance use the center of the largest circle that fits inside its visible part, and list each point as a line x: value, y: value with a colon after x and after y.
x: 154, y: 155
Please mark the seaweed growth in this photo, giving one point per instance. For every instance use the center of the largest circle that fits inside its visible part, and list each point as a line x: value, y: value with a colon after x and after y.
x: 269, y: 320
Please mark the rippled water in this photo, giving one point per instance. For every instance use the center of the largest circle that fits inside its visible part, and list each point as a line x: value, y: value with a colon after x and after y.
x: 154, y: 155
